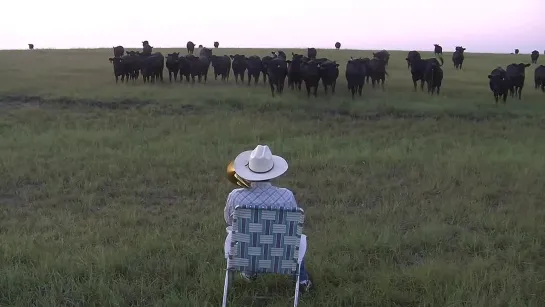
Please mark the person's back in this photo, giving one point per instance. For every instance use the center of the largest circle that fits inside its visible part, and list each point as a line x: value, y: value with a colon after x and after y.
x: 259, y: 167
x: 261, y: 194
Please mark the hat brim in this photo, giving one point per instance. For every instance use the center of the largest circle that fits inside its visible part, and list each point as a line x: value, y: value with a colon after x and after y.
x: 242, y: 169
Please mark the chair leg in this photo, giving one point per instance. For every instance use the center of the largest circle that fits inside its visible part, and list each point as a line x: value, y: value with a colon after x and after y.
x: 296, y: 298
x: 225, y: 288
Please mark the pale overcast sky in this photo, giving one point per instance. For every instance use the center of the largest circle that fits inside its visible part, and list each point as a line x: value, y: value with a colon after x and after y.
x: 478, y: 25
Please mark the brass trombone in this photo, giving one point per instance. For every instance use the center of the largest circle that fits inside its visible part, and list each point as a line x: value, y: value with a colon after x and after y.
x: 234, y: 178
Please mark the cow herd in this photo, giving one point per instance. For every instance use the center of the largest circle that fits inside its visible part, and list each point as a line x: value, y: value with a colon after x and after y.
x: 308, y: 70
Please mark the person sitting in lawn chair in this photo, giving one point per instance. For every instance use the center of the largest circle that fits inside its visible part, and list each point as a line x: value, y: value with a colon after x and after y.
x: 258, y: 167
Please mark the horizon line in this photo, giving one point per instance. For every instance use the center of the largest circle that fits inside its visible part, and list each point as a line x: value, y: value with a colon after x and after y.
x: 271, y: 48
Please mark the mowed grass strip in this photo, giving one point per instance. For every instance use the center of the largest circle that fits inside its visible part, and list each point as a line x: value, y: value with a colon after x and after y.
x: 113, y: 195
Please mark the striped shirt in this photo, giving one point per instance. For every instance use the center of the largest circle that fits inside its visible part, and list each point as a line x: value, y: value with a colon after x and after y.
x: 259, y: 194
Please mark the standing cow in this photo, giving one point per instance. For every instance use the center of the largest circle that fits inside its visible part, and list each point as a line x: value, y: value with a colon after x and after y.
x: 337, y: 45
x: 239, y: 66
x: 534, y: 56
x: 516, y: 74
x: 355, y: 75
x: 434, y: 76
x: 31, y: 46
x: 254, y: 68
x: 190, y: 47
x: 277, y: 71
x: 222, y: 67
x: 172, y: 65
x: 499, y: 85
x: 329, y: 72
x: 539, y: 77
x: 438, y: 50
x: 458, y: 57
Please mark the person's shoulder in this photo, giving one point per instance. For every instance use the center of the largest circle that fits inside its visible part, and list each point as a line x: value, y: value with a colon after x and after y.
x: 236, y: 192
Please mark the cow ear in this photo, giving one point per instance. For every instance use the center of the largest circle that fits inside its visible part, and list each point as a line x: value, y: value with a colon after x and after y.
x: 288, y: 61
x: 489, y: 76
x: 527, y: 65
x: 336, y: 65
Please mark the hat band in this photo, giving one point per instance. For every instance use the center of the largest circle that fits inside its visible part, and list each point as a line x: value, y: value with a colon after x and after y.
x: 270, y: 168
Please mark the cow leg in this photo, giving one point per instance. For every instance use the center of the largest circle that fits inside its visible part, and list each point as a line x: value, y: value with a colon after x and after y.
x: 242, y: 77
x: 520, y: 93
x: 308, y: 89
x: 421, y: 85
x: 272, y: 87
x: 360, y: 89
x: 353, y: 90
x: 382, y: 81
x: 333, y: 87
x: 414, y: 83
x: 316, y: 91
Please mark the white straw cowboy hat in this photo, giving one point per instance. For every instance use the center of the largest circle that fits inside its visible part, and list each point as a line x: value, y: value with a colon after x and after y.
x: 259, y: 164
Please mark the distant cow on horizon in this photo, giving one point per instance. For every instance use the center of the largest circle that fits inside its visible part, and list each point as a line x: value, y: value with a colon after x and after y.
x: 438, y: 50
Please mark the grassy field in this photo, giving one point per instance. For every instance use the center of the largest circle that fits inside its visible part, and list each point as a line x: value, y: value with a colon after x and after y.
x: 113, y: 195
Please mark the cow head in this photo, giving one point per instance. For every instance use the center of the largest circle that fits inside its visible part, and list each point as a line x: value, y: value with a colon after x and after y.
x: 207, y: 52
x: 460, y: 49
x: 522, y: 66
x: 436, y: 45
x: 145, y: 43
x: 238, y: 57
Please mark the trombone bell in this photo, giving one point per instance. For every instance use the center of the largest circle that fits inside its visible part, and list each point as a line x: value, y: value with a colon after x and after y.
x: 234, y: 178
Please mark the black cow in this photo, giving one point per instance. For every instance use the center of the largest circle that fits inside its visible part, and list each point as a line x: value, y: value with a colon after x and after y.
x: 277, y: 71
x: 185, y: 67
x: 311, y: 53
x: 133, y: 64
x: 280, y: 54
x: 119, y: 69
x: 539, y: 77
x: 355, y: 75
x: 458, y: 57
x: 172, y: 65
x: 147, y: 50
x: 419, y: 67
x: 516, y: 73
x: 337, y: 45
x: 499, y: 85
x: 203, y: 64
x: 31, y: 47
x: 254, y: 68
x: 190, y: 47
x: 216, y: 44
x: 222, y: 67
x: 411, y: 57
x: 534, y: 56
x: 119, y: 51
x: 378, y: 72
x: 329, y: 72
x: 295, y: 74
x: 265, y: 66
x: 434, y: 76
x: 152, y: 67
x: 195, y: 68
x: 438, y: 50
x: 239, y: 66
x: 382, y: 55
x: 311, y: 76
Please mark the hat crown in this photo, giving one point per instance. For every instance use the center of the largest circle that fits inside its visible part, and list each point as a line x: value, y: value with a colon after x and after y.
x: 261, y: 159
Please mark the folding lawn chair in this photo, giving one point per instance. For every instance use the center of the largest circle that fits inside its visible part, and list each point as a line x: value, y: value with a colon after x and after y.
x: 265, y: 240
